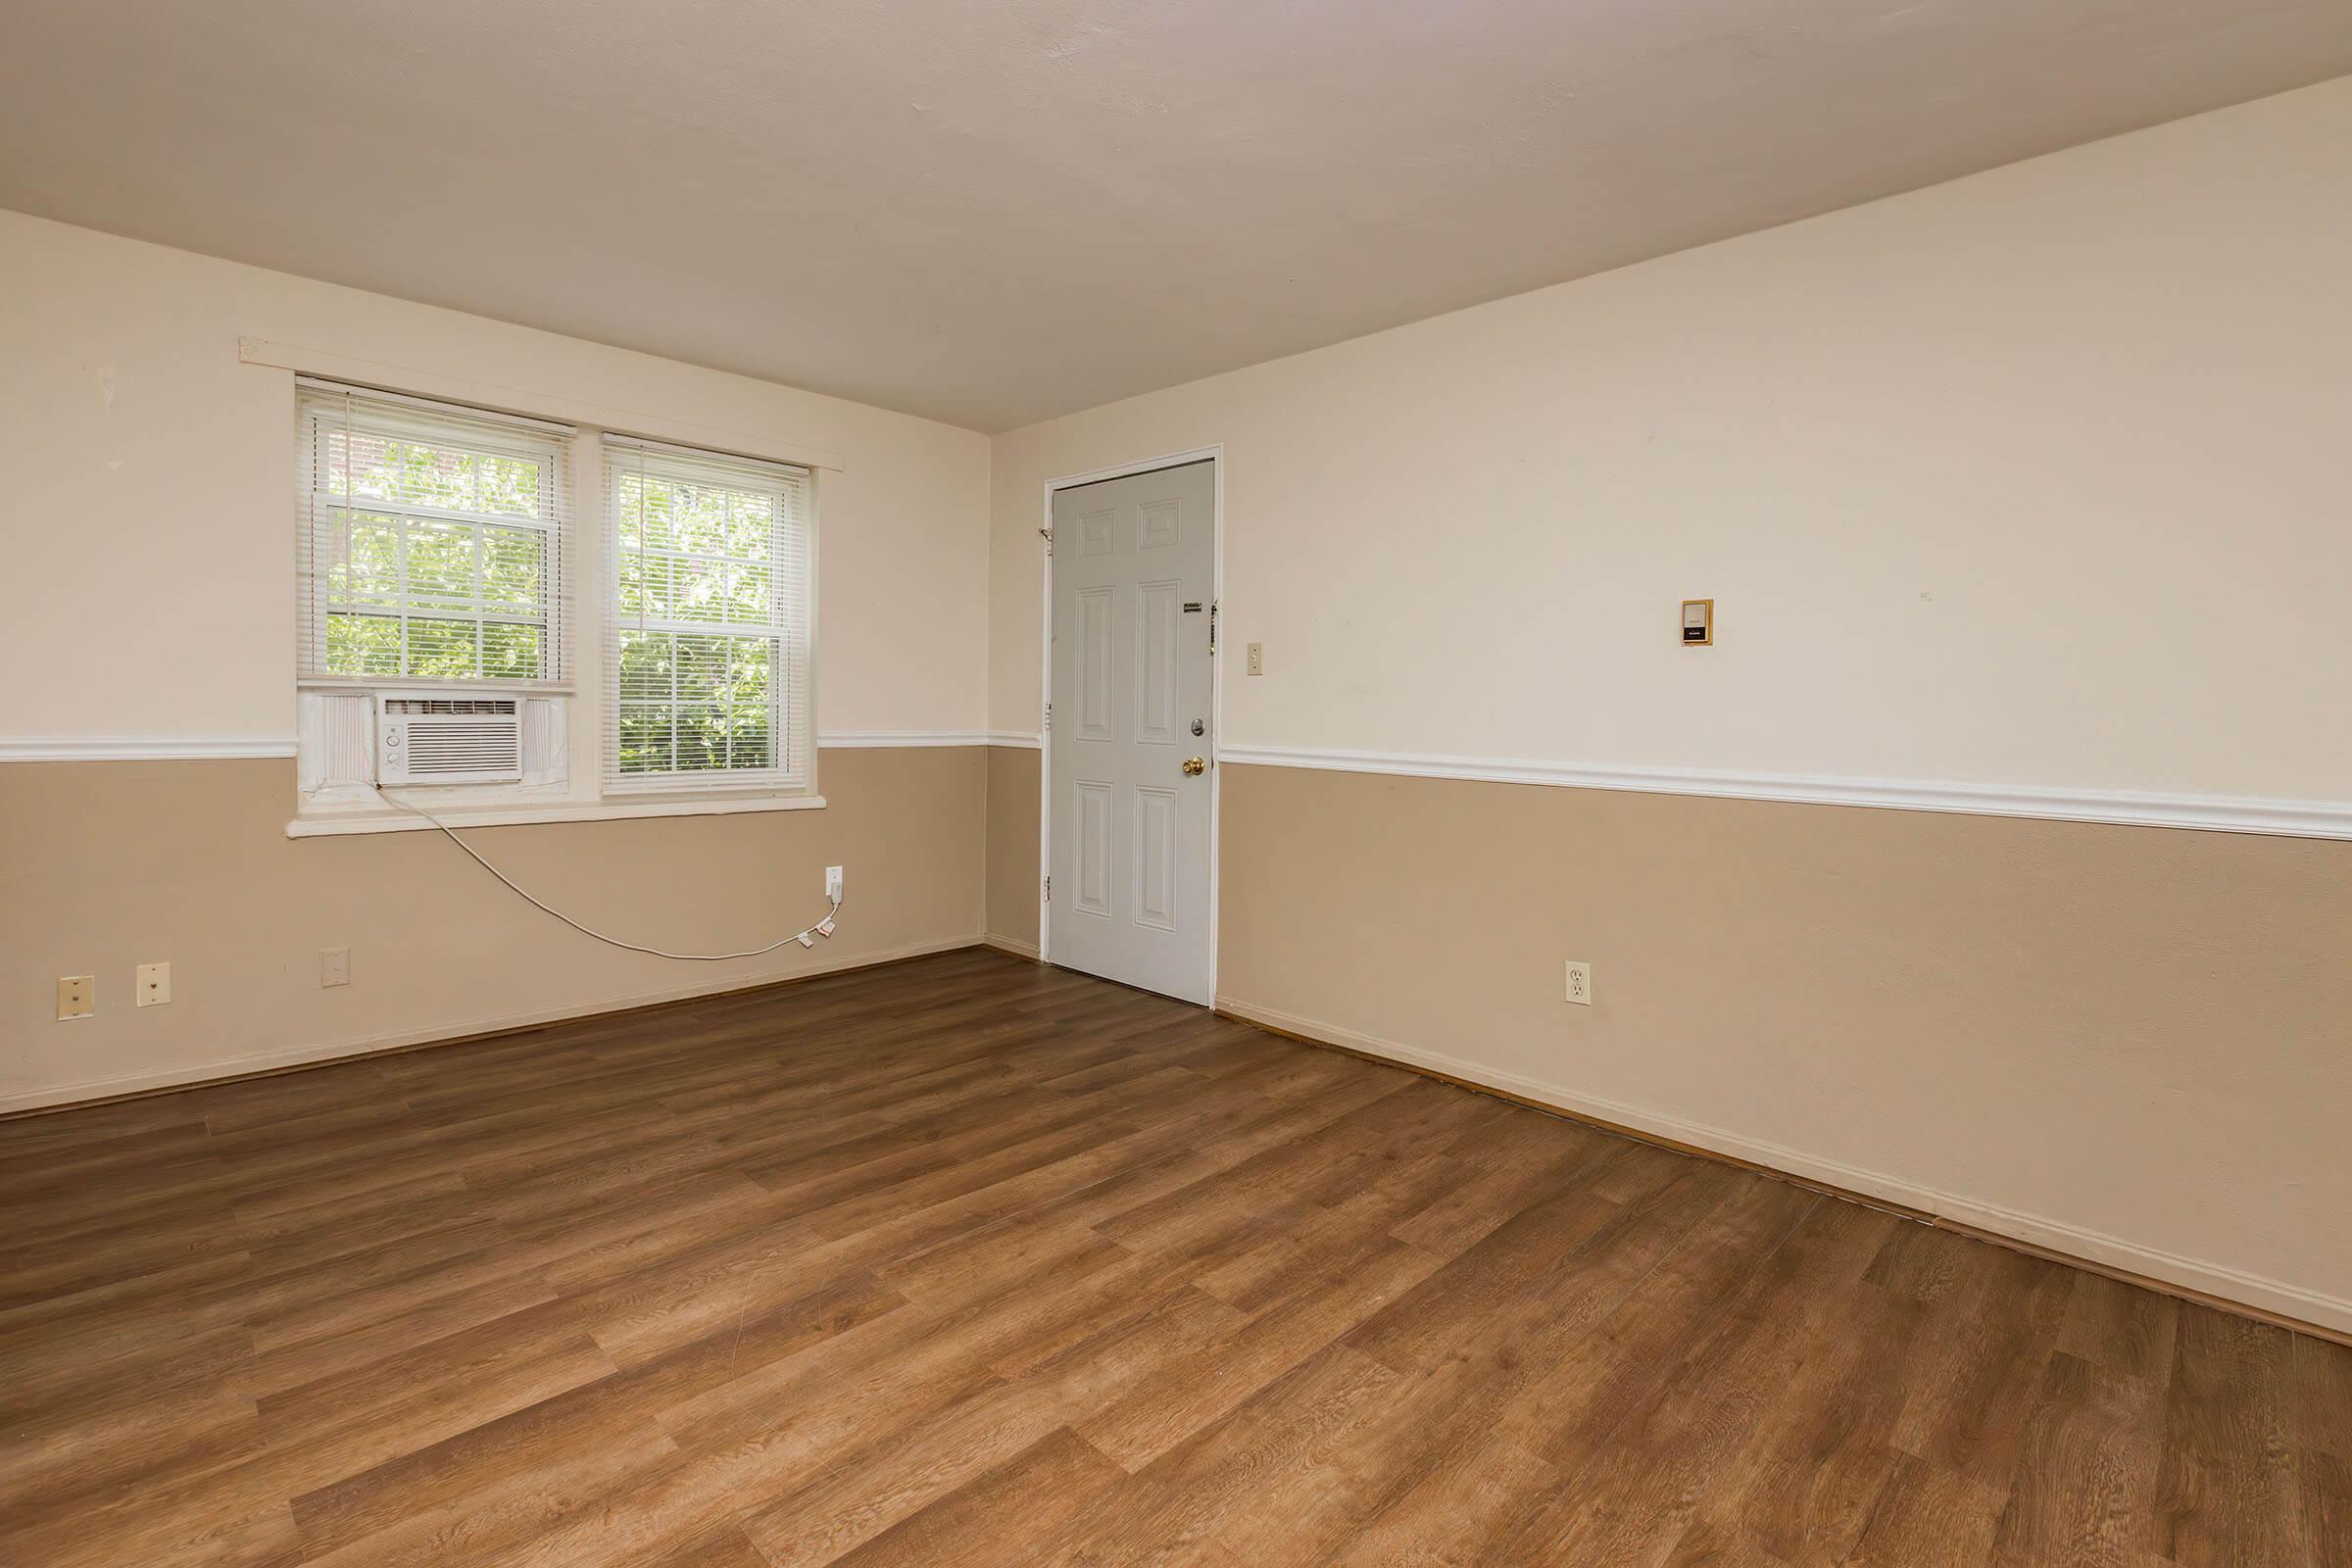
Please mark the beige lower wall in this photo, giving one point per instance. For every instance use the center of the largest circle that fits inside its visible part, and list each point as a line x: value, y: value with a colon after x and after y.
x: 1012, y: 863
x: 106, y: 865
x: 2126, y: 1043
x: 2130, y: 1044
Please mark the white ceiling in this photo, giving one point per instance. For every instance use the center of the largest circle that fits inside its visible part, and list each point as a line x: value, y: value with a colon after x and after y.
x: 994, y: 212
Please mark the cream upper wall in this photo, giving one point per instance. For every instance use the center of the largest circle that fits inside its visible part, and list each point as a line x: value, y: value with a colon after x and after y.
x: 2033, y: 478
x: 148, y: 525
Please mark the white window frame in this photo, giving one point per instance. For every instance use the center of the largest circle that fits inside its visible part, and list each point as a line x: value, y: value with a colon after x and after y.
x: 791, y: 623
x: 571, y: 783
x: 318, y: 406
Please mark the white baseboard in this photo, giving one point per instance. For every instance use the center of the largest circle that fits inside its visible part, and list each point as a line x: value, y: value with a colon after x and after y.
x: 58, y: 1095
x: 1019, y: 949
x: 2254, y: 1291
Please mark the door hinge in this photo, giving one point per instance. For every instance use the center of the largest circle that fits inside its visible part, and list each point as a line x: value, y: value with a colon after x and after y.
x: 1212, y: 626
x: 1049, y: 890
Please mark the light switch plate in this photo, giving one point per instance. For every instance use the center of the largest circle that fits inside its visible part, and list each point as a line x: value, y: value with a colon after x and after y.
x: 154, y: 984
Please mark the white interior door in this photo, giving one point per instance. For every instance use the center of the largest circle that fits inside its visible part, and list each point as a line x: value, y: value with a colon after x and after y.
x: 1129, y: 784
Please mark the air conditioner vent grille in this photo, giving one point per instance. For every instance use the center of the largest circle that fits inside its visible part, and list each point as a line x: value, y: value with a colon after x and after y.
x: 433, y: 739
x: 469, y: 747
x: 407, y: 706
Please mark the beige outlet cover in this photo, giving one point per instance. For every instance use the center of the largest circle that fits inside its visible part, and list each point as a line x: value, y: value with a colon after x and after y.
x: 75, y: 994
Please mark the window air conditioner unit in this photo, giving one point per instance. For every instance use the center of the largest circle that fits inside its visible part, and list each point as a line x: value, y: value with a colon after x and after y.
x: 428, y: 738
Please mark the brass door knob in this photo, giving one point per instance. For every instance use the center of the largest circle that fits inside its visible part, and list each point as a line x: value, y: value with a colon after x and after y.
x: 1193, y: 766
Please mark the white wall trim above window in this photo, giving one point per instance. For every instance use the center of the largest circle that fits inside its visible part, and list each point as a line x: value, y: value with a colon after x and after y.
x: 527, y: 401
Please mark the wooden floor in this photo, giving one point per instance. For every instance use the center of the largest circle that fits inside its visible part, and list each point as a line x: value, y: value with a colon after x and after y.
x: 969, y: 1261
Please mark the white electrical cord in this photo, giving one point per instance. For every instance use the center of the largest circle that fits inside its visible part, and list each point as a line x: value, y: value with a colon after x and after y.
x: 806, y: 938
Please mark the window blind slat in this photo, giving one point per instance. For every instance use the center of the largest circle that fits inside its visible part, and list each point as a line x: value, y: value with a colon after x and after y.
x: 710, y: 625
x: 431, y: 541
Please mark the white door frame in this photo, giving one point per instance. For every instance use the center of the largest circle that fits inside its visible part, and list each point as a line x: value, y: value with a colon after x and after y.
x: 1213, y: 452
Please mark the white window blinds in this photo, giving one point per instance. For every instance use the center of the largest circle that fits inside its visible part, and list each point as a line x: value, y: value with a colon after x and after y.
x: 430, y: 541
x: 711, y: 633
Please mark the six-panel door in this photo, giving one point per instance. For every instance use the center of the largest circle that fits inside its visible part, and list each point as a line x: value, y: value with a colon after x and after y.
x: 1129, y: 822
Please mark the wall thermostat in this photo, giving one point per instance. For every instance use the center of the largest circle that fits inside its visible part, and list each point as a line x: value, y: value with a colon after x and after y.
x: 1698, y: 622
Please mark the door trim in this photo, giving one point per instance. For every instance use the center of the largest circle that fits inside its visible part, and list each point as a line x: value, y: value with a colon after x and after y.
x: 1214, y: 453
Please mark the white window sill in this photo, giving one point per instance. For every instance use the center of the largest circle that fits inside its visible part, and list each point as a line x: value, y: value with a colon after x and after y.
x: 377, y: 819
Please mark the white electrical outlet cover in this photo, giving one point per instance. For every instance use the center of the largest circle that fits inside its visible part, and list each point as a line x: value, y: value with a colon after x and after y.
x: 1580, y: 982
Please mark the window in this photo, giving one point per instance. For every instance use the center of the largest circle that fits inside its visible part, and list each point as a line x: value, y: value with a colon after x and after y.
x: 431, y: 542
x: 434, y: 551
x: 709, y: 633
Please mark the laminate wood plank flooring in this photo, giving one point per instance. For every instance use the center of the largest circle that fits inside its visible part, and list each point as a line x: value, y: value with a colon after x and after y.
x: 965, y: 1261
